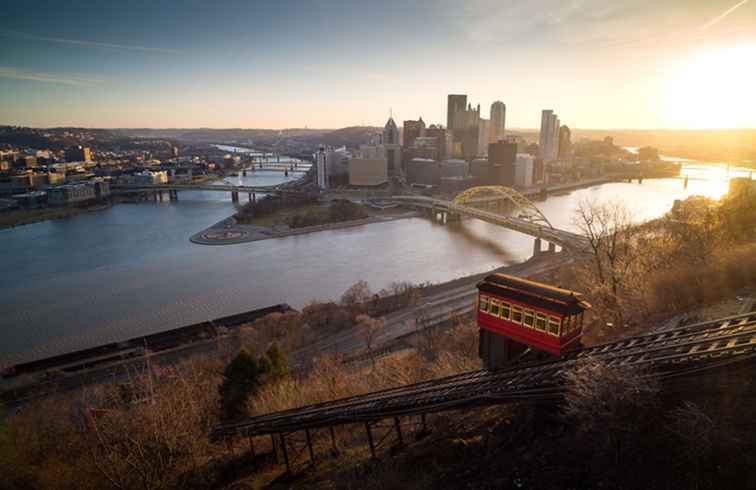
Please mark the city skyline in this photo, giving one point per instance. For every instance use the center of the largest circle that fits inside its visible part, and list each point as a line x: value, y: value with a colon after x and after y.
x: 637, y: 65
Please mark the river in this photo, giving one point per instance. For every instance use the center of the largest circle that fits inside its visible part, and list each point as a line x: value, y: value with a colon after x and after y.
x: 131, y: 270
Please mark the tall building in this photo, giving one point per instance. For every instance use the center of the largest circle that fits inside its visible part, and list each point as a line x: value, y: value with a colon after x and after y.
x: 524, y: 166
x: 484, y: 129
x: 454, y: 105
x: 565, y: 143
x: 501, y: 158
x: 469, y: 133
x: 390, y: 133
x: 498, y: 121
x: 548, y: 142
x: 412, y: 130
x: 443, y: 140
x: 321, y: 168
x: 392, y: 145
x: 79, y: 154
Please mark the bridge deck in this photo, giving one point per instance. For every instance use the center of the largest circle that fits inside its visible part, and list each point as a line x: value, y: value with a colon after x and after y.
x: 562, y: 238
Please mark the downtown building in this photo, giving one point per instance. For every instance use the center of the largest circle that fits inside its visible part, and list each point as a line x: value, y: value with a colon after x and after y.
x: 389, y: 139
x: 498, y: 120
x: 548, y: 142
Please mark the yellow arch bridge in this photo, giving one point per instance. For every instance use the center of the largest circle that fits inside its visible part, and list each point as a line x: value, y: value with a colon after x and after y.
x: 501, y: 206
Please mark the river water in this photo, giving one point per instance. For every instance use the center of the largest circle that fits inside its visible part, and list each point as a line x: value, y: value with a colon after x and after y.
x: 131, y: 269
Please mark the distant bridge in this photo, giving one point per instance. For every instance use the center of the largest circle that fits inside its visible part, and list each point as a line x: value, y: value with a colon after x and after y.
x: 235, y: 190
x: 496, y: 199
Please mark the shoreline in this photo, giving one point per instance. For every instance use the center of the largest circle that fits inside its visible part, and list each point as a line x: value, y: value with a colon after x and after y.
x: 229, y: 232
x: 50, y: 214
x: 16, y: 391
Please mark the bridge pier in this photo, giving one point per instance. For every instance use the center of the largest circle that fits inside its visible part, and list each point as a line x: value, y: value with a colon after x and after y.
x: 234, y: 196
x: 244, y: 172
x: 537, y: 247
x: 552, y: 248
x: 173, y: 195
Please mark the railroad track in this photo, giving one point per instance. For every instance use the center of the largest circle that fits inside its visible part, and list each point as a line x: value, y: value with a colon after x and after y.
x: 673, y: 353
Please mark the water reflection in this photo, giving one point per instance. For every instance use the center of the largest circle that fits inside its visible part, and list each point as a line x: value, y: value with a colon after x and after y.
x: 131, y: 270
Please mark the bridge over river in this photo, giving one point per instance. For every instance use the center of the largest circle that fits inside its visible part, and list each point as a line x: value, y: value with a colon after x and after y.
x: 494, y: 204
x: 235, y: 190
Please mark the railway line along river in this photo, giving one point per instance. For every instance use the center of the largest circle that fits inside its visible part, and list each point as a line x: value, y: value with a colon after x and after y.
x: 131, y: 269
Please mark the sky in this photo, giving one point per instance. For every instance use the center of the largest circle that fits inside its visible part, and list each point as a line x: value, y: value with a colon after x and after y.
x: 641, y: 64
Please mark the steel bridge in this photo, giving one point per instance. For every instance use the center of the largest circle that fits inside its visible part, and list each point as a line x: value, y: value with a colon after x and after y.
x: 496, y: 199
x: 674, y: 353
x: 271, y: 189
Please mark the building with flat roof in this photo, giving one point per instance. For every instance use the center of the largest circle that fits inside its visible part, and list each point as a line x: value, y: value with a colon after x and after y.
x: 455, y: 104
x: 498, y: 119
x: 412, y: 130
x: 368, y: 171
x: 78, y: 154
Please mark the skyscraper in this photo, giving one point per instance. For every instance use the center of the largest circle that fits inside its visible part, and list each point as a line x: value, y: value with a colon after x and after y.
x: 455, y: 104
x: 321, y: 168
x: 412, y: 130
x: 548, y: 142
x: 442, y: 140
x: 391, y: 144
x: 390, y: 133
x: 565, y: 143
x: 484, y: 136
x: 498, y: 121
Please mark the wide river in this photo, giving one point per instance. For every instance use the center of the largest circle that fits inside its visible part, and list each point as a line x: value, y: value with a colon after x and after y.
x: 131, y: 269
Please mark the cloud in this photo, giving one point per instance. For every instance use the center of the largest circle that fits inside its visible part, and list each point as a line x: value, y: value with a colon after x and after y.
x: 88, y: 44
x: 20, y: 74
x: 724, y: 14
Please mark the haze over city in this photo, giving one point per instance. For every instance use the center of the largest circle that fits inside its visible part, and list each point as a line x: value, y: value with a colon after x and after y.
x: 639, y: 64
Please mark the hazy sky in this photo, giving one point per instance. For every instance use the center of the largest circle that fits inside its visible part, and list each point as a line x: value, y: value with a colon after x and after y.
x: 321, y: 63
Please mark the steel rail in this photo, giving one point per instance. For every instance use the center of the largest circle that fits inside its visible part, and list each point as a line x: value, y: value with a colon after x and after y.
x: 675, y: 352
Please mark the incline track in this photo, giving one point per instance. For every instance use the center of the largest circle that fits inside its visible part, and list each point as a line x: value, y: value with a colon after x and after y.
x: 677, y: 352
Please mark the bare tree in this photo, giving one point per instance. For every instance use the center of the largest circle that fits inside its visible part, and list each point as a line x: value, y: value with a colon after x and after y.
x: 357, y: 294
x: 611, y: 235
x: 370, y: 328
x: 606, y: 402
x: 699, y: 436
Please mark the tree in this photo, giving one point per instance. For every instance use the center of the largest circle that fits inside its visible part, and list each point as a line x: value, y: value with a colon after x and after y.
x: 606, y: 403
x: 357, y: 294
x: 240, y: 377
x: 369, y: 329
x: 696, y: 227
x: 245, y: 374
x: 610, y: 232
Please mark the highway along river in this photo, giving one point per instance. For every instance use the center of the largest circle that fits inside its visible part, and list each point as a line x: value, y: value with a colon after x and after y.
x: 131, y: 270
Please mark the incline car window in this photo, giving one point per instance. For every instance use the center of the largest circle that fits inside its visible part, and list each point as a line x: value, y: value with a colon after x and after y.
x: 505, y: 310
x: 516, y: 314
x: 494, y: 308
x: 484, y: 303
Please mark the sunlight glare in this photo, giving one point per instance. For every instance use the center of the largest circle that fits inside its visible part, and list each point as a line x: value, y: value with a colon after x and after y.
x: 714, y: 90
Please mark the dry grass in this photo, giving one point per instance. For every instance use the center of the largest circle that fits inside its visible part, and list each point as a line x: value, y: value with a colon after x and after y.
x: 330, y: 379
x: 726, y: 273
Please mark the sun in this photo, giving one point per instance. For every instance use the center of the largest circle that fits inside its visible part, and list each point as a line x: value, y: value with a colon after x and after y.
x: 714, y: 89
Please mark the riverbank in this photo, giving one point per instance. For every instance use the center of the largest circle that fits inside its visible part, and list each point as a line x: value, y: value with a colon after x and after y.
x: 71, y: 371
x: 230, y: 232
x: 12, y: 219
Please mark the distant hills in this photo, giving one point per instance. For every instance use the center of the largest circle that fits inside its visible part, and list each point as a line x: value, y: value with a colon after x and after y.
x: 728, y: 145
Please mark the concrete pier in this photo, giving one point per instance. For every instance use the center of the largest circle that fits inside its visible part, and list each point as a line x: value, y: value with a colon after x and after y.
x: 536, y: 247
x: 234, y: 196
